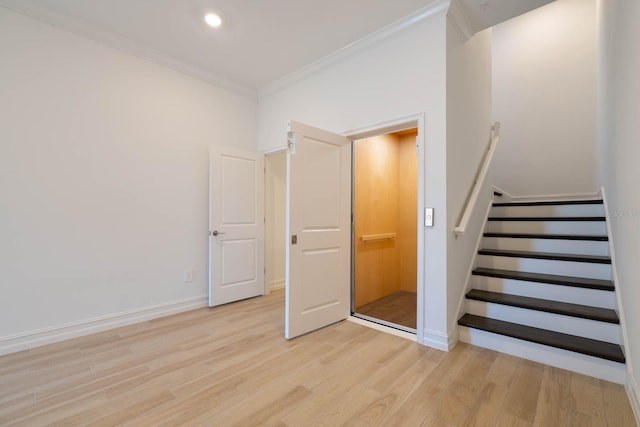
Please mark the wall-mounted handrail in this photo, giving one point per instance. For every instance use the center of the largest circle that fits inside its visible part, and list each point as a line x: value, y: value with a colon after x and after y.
x: 377, y: 237
x: 478, y: 184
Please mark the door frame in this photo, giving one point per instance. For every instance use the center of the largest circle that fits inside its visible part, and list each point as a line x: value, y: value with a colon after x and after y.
x: 414, y: 121
x: 267, y: 195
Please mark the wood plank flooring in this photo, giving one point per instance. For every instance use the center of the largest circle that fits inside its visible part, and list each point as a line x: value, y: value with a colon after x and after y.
x: 399, y: 308
x: 231, y: 366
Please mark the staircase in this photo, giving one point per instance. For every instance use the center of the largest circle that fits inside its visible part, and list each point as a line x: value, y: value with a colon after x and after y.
x: 543, y: 288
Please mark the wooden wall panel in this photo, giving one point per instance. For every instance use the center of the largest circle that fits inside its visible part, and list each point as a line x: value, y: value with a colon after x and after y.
x: 408, y: 215
x: 377, y: 264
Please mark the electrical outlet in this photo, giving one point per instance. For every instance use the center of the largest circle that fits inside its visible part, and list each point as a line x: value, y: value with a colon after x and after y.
x: 188, y: 276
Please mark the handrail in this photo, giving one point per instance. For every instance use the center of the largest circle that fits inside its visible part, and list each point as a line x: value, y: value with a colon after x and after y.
x: 377, y: 237
x: 482, y: 176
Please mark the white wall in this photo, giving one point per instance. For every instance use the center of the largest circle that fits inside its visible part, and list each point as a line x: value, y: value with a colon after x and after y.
x: 400, y: 76
x: 620, y: 136
x: 103, y: 177
x: 276, y: 203
x: 468, y: 136
x: 544, y: 94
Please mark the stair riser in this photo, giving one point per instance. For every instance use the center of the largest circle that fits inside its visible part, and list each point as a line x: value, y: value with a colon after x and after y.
x: 563, y: 210
x: 547, y: 245
x: 568, y: 294
x: 586, y: 328
x: 560, y: 268
x: 548, y: 227
x: 563, y: 359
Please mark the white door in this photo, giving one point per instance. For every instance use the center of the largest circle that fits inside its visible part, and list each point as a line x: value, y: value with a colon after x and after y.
x: 236, y: 225
x: 318, y: 229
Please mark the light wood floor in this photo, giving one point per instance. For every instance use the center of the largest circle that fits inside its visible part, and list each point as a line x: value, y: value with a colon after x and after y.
x: 231, y: 366
x: 399, y: 308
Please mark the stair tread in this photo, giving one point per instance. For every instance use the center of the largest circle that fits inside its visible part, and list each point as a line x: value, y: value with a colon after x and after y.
x: 581, y: 282
x: 599, y: 238
x: 598, y: 259
x: 601, y: 349
x: 549, y: 306
x: 549, y: 218
x: 552, y: 203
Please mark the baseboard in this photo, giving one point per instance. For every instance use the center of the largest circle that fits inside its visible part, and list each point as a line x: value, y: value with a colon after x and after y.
x: 438, y: 340
x: 550, y: 197
x: 563, y: 359
x: 32, y: 339
x: 276, y: 284
x: 632, y: 392
x: 506, y: 197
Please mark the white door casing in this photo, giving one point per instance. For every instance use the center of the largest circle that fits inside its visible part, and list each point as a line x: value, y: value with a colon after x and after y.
x: 319, y: 216
x: 236, y: 225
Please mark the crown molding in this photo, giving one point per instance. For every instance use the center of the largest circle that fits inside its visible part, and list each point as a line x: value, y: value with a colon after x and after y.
x: 460, y: 21
x: 435, y: 9
x: 115, y: 41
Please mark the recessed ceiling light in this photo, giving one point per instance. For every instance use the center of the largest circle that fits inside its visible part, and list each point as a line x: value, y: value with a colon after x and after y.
x: 213, y: 20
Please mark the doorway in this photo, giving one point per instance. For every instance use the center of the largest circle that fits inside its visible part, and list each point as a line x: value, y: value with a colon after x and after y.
x: 385, y: 234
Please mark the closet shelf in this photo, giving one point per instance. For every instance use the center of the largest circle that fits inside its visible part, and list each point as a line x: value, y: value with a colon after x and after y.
x: 377, y: 237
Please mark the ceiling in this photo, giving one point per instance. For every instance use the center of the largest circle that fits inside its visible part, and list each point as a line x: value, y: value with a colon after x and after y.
x: 259, y: 42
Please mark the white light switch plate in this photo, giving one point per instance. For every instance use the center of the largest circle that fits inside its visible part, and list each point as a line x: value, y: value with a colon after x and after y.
x: 428, y: 217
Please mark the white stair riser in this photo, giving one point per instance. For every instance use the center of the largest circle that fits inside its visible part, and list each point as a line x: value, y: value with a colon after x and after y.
x: 560, y: 268
x: 581, y: 247
x: 586, y: 328
x: 548, y: 227
x: 563, y: 210
x: 569, y: 294
x: 575, y: 362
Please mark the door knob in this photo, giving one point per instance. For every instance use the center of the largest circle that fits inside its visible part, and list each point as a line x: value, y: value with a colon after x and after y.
x: 216, y: 232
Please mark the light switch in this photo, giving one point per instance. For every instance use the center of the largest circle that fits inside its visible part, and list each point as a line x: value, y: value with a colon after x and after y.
x: 428, y: 217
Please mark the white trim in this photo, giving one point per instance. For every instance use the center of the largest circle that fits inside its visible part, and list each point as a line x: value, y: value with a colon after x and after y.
x: 508, y: 197
x: 276, y: 284
x: 382, y: 328
x: 433, y: 10
x: 397, y: 125
x: 575, y: 362
x: 37, y: 338
x: 474, y: 261
x: 620, y: 309
x: 118, y: 42
x: 552, y: 197
x: 632, y: 392
x: 460, y: 21
x: 438, y: 340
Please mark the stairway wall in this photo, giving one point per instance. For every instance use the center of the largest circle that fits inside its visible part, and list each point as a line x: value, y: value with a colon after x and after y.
x: 620, y: 131
x: 544, y: 94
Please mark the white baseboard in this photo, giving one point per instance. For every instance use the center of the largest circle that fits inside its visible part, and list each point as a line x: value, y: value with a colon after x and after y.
x: 506, y: 197
x: 37, y: 338
x: 439, y: 340
x: 550, y: 197
x: 632, y: 392
x: 563, y: 359
x: 276, y: 284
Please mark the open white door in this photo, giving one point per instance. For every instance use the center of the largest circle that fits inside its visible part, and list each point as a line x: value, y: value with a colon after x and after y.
x: 236, y: 225
x: 318, y: 229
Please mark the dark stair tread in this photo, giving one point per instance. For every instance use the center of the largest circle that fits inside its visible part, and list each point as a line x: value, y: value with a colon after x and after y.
x: 601, y: 349
x: 549, y: 218
x: 549, y: 306
x: 597, y: 259
x: 579, y: 282
x: 551, y: 203
x: 595, y: 238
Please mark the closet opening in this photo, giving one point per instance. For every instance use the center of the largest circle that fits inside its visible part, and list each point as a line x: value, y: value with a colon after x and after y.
x: 385, y: 229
